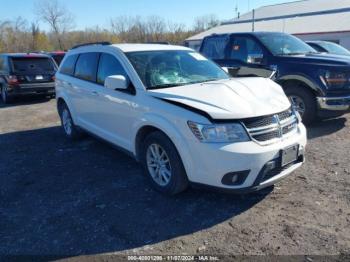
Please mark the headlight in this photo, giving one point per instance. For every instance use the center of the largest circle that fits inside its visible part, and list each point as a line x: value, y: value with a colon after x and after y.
x: 219, y: 133
x: 334, y: 79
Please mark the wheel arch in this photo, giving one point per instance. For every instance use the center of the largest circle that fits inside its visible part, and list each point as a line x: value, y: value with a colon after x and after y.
x: 164, y: 126
x: 300, y: 80
x: 60, y: 100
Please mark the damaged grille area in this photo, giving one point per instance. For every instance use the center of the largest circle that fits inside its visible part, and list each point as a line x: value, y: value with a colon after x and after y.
x: 272, y: 128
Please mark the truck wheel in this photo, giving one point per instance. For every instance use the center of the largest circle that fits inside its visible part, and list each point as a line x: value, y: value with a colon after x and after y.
x: 304, y: 102
x: 68, y: 126
x: 163, y: 165
x: 6, y: 99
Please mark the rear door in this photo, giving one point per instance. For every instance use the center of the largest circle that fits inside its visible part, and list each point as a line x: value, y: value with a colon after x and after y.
x: 214, y: 48
x: 82, y: 90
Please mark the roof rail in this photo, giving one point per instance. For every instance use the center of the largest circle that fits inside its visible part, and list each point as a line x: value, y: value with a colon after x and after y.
x: 93, y: 43
x: 159, y: 43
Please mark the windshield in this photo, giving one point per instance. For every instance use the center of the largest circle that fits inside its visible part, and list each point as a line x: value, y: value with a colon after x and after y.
x: 334, y: 48
x: 284, y: 44
x: 162, y: 69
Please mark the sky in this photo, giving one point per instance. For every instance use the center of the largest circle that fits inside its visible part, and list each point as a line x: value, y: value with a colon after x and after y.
x: 89, y: 13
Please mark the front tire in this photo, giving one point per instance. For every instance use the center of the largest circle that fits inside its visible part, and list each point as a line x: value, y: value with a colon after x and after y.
x: 69, y: 128
x: 304, y: 102
x: 163, y: 165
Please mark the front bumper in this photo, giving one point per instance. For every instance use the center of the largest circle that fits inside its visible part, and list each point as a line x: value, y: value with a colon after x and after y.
x: 211, y: 162
x: 334, y: 103
x: 28, y: 89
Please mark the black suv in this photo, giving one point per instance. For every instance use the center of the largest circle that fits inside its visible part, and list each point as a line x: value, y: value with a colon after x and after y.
x: 57, y: 56
x: 22, y: 74
x: 317, y: 84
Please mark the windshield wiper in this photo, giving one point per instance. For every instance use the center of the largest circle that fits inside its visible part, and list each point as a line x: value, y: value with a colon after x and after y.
x: 166, y: 86
x: 181, y: 84
x: 290, y: 54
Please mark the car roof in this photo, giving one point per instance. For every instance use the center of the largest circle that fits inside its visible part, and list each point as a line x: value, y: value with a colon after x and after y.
x: 148, y: 47
x: 259, y: 33
x: 26, y: 55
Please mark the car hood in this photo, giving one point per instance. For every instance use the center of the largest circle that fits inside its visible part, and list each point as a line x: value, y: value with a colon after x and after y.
x: 228, y: 99
x: 318, y: 58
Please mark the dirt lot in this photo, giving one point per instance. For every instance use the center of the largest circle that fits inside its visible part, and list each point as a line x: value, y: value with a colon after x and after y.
x: 86, y: 198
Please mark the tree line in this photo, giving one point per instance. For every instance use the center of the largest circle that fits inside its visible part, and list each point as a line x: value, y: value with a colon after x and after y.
x: 20, y: 35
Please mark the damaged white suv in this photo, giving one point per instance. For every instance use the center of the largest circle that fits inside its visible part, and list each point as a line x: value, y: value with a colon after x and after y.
x: 181, y: 116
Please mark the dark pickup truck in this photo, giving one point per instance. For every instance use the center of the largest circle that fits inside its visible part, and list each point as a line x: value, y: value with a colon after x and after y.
x: 22, y: 74
x: 317, y: 84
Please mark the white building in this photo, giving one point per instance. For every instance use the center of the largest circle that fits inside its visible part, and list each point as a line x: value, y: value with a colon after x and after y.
x: 308, y: 19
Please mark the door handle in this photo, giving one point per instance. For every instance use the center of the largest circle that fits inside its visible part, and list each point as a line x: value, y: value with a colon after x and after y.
x: 95, y: 93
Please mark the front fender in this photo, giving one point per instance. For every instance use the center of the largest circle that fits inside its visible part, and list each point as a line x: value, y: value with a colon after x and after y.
x: 171, y: 130
x: 304, y: 79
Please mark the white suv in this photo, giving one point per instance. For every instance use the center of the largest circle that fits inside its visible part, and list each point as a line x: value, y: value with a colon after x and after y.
x: 181, y: 116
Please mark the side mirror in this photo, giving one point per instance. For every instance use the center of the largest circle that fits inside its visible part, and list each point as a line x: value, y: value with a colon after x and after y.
x: 255, y: 59
x: 117, y: 82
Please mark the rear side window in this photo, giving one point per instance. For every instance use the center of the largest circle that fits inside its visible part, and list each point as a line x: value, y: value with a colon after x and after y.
x: 108, y: 66
x: 32, y: 65
x: 86, y: 66
x: 214, y: 47
x: 68, y: 66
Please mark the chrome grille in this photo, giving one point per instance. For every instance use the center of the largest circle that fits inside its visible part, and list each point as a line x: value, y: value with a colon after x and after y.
x: 272, y: 128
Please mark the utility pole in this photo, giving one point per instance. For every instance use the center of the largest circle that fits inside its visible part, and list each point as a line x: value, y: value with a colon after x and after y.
x: 253, y: 21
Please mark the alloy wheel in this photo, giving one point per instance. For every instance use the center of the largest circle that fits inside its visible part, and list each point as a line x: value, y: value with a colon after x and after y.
x: 67, y: 122
x: 158, y: 164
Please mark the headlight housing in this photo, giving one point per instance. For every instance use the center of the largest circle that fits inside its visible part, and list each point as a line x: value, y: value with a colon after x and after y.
x: 334, y: 79
x: 219, y: 133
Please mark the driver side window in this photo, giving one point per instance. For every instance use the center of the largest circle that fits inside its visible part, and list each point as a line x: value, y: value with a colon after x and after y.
x: 246, y: 50
x: 108, y: 66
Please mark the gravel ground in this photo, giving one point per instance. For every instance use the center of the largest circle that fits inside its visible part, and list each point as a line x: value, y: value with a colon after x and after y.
x: 86, y: 198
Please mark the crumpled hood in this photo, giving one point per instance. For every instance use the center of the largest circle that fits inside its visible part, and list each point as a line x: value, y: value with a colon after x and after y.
x: 229, y: 99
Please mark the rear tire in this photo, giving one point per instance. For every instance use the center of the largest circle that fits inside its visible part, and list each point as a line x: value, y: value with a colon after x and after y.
x: 304, y: 101
x: 163, y: 165
x: 69, y: 128
x: 5, y: 97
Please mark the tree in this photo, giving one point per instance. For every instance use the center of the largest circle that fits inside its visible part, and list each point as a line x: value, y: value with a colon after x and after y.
x: 57, y: 16
x: 205, y: 22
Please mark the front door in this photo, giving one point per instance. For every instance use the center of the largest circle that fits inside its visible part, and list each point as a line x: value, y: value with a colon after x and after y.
x: 244, y: 57
x: 115, y: 110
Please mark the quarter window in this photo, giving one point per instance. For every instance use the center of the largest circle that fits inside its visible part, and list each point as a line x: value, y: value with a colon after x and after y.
x: 108, y: 66
x: 86, y: 66
x: 67, y: 67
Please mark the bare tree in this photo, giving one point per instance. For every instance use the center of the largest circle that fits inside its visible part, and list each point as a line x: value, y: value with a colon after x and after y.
x: 35, y: 31
x: 205, y: 22
x: 57, y: 16
x: 155, y: 28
